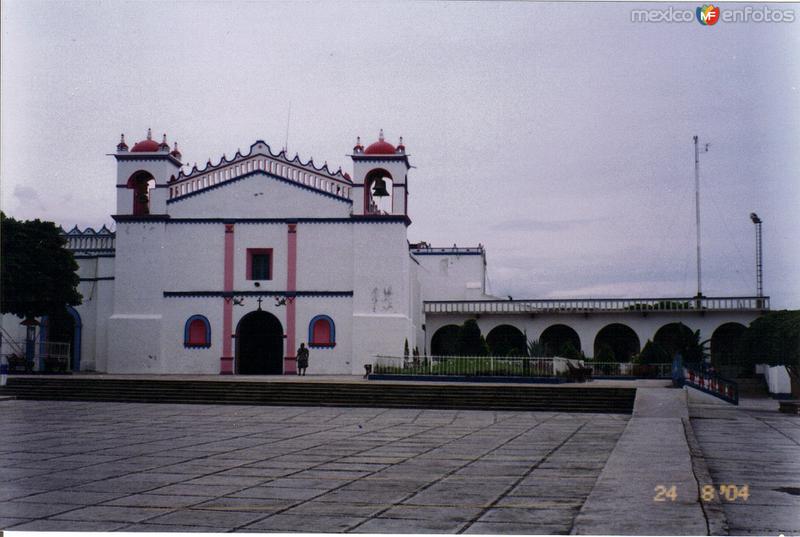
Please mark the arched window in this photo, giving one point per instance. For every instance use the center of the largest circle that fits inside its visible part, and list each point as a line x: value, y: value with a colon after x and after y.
x: 321, y: 332
x: 197, y: 332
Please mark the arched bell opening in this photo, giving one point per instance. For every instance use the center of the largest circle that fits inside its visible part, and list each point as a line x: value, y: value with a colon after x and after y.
x: 378, y: 185
x: 141, y: 183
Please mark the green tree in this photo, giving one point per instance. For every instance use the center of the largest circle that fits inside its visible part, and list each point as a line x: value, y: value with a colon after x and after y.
x: 773, y: 338
x: 470, y: 340
x: 568, y: 350
x: 653, y: 353
x: 37, y: 274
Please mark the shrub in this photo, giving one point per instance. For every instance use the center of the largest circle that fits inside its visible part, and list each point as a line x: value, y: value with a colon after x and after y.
x: 605, y: 354
x: 653, y: 353
x: 773, y: 338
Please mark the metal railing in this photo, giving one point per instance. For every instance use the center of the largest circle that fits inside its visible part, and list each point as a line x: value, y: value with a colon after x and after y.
x: 711, y: 383
x: 599, y: 305
x: 472, y: 366
x: 47, y: 356
x: 628, y: 369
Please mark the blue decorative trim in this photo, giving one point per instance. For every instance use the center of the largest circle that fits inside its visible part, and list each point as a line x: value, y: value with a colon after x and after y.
x: 140, y: 218
x: 188, y: 325
x: 445, y: 253
x: 76, y: 337
x: 93, y: 256
x: 266, y: 174
x: 227, y: 294
x: 457, y: 378
x: 332, y: 326
x: 100, y: 279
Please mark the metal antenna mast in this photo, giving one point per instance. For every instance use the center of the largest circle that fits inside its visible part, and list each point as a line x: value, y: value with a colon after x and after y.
x: 697, y: 209
x: 759, y: 256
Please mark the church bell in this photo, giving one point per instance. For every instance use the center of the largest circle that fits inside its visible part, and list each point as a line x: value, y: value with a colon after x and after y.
x: 380, y: 188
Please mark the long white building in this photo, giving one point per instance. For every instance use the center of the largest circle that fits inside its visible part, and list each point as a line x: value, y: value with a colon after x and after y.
x: 228, y: 268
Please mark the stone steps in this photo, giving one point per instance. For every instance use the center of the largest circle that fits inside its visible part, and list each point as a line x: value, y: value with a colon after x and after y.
x: 300, y: 393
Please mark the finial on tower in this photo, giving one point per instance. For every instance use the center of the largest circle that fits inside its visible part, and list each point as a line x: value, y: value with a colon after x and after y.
x: 122, y: 146
x: 149, y: 133
x: 380, y: 136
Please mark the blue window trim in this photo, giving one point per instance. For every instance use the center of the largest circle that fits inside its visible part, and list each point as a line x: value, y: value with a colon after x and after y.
x: 186, y: 332
x: 311, y: 332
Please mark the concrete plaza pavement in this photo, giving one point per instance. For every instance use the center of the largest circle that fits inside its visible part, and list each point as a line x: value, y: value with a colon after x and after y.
x: 161, y: 467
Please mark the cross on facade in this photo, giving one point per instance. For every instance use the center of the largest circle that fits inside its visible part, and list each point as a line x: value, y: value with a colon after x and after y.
x: 259, y: 302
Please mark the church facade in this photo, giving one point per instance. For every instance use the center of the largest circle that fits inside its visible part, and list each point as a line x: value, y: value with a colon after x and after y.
x: 229, y: 268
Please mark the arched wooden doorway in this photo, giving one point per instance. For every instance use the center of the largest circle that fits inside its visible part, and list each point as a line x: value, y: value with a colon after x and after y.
x: 259, y: 344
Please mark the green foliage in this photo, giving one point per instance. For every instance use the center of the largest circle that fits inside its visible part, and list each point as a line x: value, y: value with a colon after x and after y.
x: 470, y: 340
x: 653, y: 353
x: 37, y: 273
x: 537, y: 349
x: 666, y: 305
x: 605, y: 354
x: 773, y: 338
x: 568, y: 350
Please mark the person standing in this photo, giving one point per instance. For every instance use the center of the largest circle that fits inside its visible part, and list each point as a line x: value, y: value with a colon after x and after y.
x: 302, y: 359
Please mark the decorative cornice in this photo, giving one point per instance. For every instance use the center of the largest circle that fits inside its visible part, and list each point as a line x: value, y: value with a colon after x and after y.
x: 354, y: 219
x: 227, y: 294
x: 266, y: 174
x: 267, y: 152
x: 152, y: 157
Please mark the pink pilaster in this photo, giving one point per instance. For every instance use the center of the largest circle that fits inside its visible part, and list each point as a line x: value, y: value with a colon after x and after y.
x: 226, y: 361
x: 290, y: 363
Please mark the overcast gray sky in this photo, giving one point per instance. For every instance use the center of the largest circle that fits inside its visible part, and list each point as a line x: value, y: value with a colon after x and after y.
x: 558, y: 135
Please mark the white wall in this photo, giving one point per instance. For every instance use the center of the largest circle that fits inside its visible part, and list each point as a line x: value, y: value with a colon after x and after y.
x: 451, y: 276
x: 259, y: 196
x: 589, y: 326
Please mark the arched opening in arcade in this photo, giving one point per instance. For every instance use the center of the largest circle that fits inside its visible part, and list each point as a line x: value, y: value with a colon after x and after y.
x: 620, y: 340
x: 378, y: 197
x: 673, y: 338
x: 445, y: 341
x: 141, y: 183
x: 724, y: 342
x: 259, y: 344
x: 64, y: 326
x: 558, y: 338
x: 506, y: 340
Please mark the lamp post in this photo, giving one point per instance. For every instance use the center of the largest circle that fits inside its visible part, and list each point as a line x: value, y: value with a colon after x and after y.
x: 759, y: 257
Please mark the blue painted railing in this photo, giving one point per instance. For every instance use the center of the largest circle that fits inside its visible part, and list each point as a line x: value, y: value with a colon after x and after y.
x: 712, y: 384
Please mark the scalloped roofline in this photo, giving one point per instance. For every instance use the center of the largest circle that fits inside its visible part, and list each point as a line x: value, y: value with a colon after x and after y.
x: 309, y: 165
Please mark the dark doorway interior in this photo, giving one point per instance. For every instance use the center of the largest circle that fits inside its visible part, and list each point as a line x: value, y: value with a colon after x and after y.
x: 259, y: 344
x: 61, y: 329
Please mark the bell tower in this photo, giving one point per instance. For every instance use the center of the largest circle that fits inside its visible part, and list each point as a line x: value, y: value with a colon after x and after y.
x: 142, y: 175
x: 380, y: 175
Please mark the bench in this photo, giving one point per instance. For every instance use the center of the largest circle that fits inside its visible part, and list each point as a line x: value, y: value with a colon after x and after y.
x: 578, y: 373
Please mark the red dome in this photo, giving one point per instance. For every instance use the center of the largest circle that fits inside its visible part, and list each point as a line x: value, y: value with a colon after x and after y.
x: 145, y: 146
x: 381, y: 147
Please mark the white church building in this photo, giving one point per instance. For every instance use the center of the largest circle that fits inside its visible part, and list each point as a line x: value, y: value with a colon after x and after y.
x: 229, y: 268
